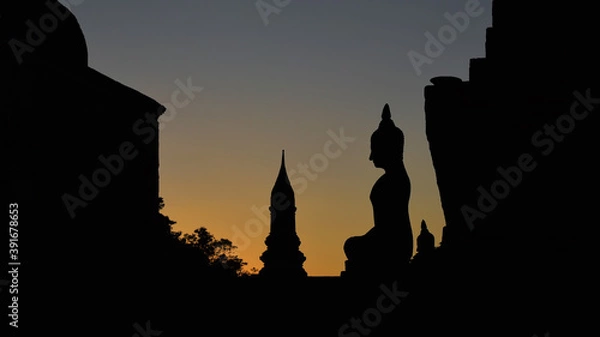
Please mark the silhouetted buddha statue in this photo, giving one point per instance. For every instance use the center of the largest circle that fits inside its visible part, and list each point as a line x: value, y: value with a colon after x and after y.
x: 388, y: 246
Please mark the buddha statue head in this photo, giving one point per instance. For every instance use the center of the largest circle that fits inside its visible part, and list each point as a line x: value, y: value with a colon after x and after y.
x: 387, y: 142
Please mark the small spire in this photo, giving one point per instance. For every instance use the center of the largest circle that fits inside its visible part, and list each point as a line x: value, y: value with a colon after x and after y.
x: 425, y: 240
x: 386, y: 114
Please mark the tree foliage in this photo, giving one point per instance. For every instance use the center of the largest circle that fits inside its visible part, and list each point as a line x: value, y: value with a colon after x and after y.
x: 220, y: 253
x: 217, y: 254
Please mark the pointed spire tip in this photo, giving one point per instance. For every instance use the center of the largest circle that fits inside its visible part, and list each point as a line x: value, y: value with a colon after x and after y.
x: 282, y: 168
x: 386, y: 114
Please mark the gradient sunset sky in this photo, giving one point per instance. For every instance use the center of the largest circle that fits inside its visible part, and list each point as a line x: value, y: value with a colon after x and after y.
x: 288, y: 81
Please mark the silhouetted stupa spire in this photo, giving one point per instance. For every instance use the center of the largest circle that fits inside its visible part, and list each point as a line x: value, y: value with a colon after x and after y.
x: 282, y: 186
x: 283, y: 257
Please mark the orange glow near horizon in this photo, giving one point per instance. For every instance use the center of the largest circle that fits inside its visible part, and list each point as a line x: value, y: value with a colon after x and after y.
x: 329, y: 208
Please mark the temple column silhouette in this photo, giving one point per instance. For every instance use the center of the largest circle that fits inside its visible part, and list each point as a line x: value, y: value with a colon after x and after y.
x: 513, y: 153
x: 283, y: 257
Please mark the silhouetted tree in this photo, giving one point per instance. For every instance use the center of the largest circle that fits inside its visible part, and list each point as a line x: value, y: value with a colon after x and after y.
x: 219, y: 255
x: 166, y: 221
